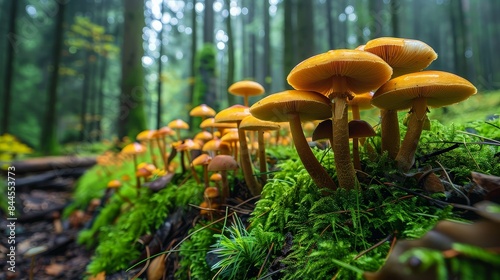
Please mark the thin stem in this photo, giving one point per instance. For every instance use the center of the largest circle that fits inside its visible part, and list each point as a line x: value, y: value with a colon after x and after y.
x: 317, y: 172
x: 262, y: 156
x: 246, y: 165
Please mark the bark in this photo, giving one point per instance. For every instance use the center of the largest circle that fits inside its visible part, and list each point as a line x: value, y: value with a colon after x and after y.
x: 288, y: 52
x: 159, y: 87
x: 9, y: 69
x: 230, y: 57
x: 49, y: 136
x: 131, y: 119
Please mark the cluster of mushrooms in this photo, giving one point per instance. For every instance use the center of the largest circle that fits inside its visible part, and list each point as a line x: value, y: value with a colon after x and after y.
x: 385, y: 72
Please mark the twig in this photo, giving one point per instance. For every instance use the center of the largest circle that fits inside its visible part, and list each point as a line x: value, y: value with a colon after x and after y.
x: 451, y: 183
x: 265, y: 260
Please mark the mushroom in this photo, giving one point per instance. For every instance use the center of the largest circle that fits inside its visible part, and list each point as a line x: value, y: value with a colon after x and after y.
x: 404, y: 56
x: 204, y: 111
x: 177, y: 125
x: 134, y: 149
x: 222, y: 164
x: 339, y: 74
x: 147, y: 137
x: 160, y: 137
x: 252, y: 123
x: 235, y: 114
x: 246, y: 89
x: 295, y: 106
x: 417, y: 91
x: 203, y: 160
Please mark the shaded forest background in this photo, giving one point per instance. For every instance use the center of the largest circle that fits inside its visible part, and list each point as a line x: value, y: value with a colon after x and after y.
x: 62, y: 62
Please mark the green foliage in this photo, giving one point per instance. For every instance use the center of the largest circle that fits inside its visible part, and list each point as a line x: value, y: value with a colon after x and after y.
x: 240, y: 252
x: 117, y: 233
x: 193, y: 253
x: 11, y: 148
x: 337, y: 226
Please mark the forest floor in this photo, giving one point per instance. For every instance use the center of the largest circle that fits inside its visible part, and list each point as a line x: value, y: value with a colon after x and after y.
x: 40, y: 198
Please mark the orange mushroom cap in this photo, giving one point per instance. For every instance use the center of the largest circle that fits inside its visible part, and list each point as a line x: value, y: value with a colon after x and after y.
x: 222, y: 163
x: 438, y: 88
x: 202, y: 110
x: 403, y: 55
x: 133, y: 149
x: 232, y: 114
x: 276, y: 107
x: 361, y: 71
x: 178, y: 124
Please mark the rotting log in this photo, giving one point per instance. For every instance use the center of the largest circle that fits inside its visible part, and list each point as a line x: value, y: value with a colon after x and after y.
x: 52, y: 163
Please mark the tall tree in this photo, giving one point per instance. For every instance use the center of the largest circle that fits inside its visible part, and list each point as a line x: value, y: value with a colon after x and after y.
x: 289, y: 46
x: 395, y: 6
x: 131, y: 119
x: 194, y: 49
x: 49, y: 137
x: 305, y: 27
x: 208, y: 22
x: 9, y: 68
x: 267, y: 47
x: 329, y: 20
x: 159, y: 87
x: 230, y: 56
x: 459, y: 31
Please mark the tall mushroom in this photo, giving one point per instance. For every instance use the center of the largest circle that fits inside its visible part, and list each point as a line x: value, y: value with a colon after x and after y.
x: 246, y: 89
x: 252, y: 123
x: 339, y: 75
x: 235, y: 114
x: 418, y: 91
x: 295, y: 106
x: 404, y: 56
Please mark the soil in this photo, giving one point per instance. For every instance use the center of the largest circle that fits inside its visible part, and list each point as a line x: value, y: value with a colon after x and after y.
x: 40, y: 198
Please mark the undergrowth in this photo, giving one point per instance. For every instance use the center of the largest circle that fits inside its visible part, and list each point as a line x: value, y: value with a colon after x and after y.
x: 120, y: 224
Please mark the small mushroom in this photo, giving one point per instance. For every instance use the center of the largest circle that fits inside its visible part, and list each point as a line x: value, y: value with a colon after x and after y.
x: 134, y: 149
x: 222, y: 164
x: 235, y: 114
x: 246, y: 89
x: 252, y: 123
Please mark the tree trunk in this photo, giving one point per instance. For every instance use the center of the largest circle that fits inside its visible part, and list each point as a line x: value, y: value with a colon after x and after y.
x: 131, y: 119
x: 194, y: 50
x: 231, y: 99
x: 267, y: 47
x: 252, y: 65
x: 305, y: 27
x: 459, y: 37
x: 85, y: 97
x: 331, y: 25
x: 49, y: 136
x: 208, y: 26
x: 395, y: 7
x: 159, y: 87
x: 288, y: 53
x: 9, y: 69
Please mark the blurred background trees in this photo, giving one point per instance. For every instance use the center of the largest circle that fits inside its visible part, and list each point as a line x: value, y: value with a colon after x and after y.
x: 107, y: 86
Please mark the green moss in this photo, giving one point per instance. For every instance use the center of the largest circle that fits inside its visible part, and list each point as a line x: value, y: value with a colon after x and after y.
x: 119, y: 225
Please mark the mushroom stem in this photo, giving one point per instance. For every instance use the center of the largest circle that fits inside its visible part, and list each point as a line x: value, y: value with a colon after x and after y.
x: 317, y: 172
x: 225, y: 186
x: 246, y: 165
x: 262, y: 156
x: 205, y: 176
x: 355, y: 153
x: 390, y: 132
x: 406, y: 155
x: 340, y: 146
x: 137, y: 179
